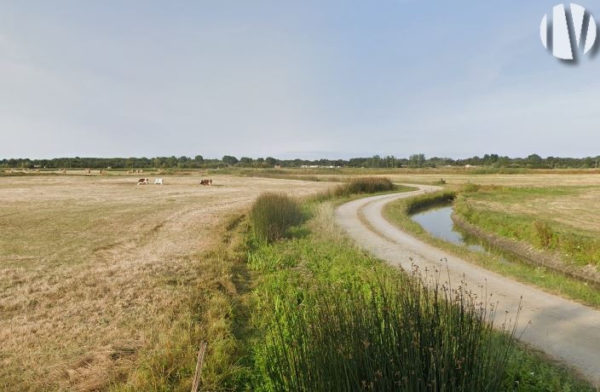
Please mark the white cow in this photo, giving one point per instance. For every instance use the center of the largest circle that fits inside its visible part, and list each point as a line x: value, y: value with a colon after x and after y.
x: 158, y: 181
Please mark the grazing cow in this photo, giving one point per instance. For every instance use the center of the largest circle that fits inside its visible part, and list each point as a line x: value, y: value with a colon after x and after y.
x: 158, y: 181
x: 143, y: 181
x: 206, y: 182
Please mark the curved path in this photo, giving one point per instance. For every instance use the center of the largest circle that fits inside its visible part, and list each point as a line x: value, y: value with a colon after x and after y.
x: 563, y: 329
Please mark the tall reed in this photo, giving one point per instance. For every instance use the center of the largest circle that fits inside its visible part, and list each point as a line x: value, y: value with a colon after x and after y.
x: 383, y: 335
x: 272, y: 215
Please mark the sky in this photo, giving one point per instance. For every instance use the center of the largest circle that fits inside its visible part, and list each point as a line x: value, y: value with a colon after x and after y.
x: 307, y: 78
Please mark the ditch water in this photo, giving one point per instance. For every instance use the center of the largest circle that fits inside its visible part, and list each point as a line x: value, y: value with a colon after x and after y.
x: 438, y: 222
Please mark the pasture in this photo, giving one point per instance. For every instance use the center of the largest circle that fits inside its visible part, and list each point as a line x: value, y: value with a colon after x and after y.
x: 91, y: 268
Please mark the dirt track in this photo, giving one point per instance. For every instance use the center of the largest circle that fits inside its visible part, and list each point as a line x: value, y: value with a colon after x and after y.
x: 563, y: 329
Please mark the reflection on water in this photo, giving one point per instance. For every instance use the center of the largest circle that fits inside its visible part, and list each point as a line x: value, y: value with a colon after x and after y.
x: 438, y: 223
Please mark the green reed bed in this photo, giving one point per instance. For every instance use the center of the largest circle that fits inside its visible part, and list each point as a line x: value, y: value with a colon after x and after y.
x: 383, y: 335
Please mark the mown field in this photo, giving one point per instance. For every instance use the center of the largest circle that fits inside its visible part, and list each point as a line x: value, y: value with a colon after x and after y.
x: 529, y: 178
x: 95, y: 270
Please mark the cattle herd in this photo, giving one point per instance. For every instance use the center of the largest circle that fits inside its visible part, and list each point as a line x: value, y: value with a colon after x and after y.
x: 159, y: 181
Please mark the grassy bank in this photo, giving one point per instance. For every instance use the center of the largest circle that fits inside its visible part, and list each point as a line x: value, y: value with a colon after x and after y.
x: 559, y: 219
x: 212, y: 311
x: 327, y: 316
x: 398, y: 212
x: 423, y: 202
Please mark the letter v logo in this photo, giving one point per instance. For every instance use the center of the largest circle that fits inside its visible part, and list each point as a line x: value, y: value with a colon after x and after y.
x: 557, y: 35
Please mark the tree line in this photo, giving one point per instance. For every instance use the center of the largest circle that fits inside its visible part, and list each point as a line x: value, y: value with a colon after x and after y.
x: 414, y: 161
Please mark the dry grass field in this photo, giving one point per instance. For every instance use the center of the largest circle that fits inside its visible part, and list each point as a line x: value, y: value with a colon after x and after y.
x: 579, y: 178
x: 571, y: 206
x: 452, y: 176
x: 459, y: 177
x: 88, y: 264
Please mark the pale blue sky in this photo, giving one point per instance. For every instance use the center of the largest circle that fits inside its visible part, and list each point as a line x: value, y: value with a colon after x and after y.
x: 290, y: 79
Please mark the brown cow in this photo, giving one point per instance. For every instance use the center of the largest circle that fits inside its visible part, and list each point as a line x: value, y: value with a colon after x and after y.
x: 143, y: 181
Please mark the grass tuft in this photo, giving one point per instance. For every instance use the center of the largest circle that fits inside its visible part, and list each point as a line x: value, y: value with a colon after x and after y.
x: 364, y: 185
x: 361, y: 185
x: 272, y: 215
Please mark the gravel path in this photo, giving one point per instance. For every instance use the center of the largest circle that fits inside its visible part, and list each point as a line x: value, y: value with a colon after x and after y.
x: 563, y: 329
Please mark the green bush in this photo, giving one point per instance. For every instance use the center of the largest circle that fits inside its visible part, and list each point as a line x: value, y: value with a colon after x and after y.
x: 272, y: 215
x: 364, y: 185
x: 422, y: 202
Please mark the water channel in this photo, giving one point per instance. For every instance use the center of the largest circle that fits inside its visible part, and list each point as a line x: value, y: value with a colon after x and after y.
x: 438, y: 222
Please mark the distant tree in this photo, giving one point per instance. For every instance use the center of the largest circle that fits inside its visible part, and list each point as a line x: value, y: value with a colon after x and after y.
x: 229, y: 160
x: 417, y: 160
x: 245, y: 161
x: 390, y: 161
x: 534, y: 160
x: 171, y: 161
x: 374, y: 161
